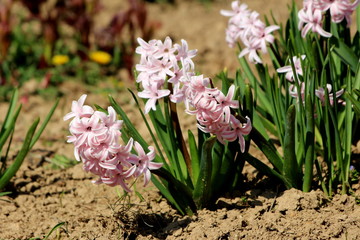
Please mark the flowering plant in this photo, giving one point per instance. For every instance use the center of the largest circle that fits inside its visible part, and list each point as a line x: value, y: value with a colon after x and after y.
x: 308, y: 103
x: 192, y: 176
x: 301, y: 102
x: 7, y: 171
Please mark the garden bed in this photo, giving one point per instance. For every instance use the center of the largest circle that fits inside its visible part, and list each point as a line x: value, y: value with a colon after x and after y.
x: 262, y: 209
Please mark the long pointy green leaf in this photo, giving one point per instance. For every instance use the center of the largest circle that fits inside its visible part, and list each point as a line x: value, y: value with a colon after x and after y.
x: 290, y: 168
x: 166, y: 165
x: 4, y: 193
x: 348, y: 138
x: 178, y: 190
x: 345, y: 53
x: 202, y: 191
x: 259, y: 92
x: 218, y: 157
x: 310, y: 145
x: 178, y: 164
x: 134, y: 133
x: 267, y: 148
x: 194, y: 153
x: 7, y: 131
x: 264, y: 126
x: 11, y: 109
x: 265, y: 169
x: 5, y: 157
x: 53, y: 229
x: 226, y: 83
x: 355, y: 103
x: 248, y: 110
x: 167, y: 194
x: 11, y: 171
x: 358, y: 19
x: 43, y: 125
x: 227, y: 167
x: 181, y: 148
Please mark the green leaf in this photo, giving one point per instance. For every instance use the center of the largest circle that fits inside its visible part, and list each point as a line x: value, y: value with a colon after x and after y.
x: 309, y: 145
x: 265, y: 169
x: 358, y: 19
x: 348, y: 139
x: 345, y: 53
x: 10, y: 127
x: 259, y: 92
x: 159, y: 150
x: 14, y: 167
x: 62, y: 162
x: 51, y: 231
x: 4, y: 193
x: 225, y: 167
x: 176, y: 191
x: 356, y: 103
x: 218, y: 157
x: 263, y: 125
x: 267, y: 148
x: 177, y: 163
x: 164, y: 190
x: 290, y: 167
x: 8, y: 117
x: 202, y: 191
x: 43, y: 125
x: 131, y: 128
x: 194, y: 153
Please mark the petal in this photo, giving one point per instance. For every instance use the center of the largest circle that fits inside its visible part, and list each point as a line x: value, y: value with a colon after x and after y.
x: 284, y: 69
x: 154, y: 165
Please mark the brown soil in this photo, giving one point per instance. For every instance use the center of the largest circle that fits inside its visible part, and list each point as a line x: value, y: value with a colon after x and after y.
x: 45, y: 197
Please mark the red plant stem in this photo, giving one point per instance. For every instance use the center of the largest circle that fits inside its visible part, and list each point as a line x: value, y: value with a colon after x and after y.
x: 179, y: 136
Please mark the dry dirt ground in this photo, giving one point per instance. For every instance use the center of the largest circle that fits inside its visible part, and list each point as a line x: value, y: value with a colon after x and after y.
x: 46, y: 197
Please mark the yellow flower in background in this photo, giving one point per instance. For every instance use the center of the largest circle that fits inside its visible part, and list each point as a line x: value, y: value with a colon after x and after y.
x: 59, y: 59
x: 100, y: 57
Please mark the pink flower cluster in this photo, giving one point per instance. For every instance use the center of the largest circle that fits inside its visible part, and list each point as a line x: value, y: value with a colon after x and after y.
x: 311, y: 14
x: 320, y: 93
x: 95, y: 136
x: 211, y: 107
x: 246, y: 26
x: 162, y: 63
x: 213, y: 111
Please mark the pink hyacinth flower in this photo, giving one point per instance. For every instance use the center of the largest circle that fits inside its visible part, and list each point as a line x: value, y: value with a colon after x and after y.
x: 294, y: 91
x: 238, y: 131
x: 237, y: 9
x: 226, y: 102
x: 263, y: 36
x: 143, y: 162
x: 111, y: 123
x: 152, y: 94
x: 288, y: 69
x: 86, y: 130
x: 339, y: 9
x: 251, y: 48
x: 320, y: 93
x: 78, y: 109
x: 312, y: 18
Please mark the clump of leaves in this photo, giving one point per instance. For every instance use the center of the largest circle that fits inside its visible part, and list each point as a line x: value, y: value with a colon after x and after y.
x: 8, y: 170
